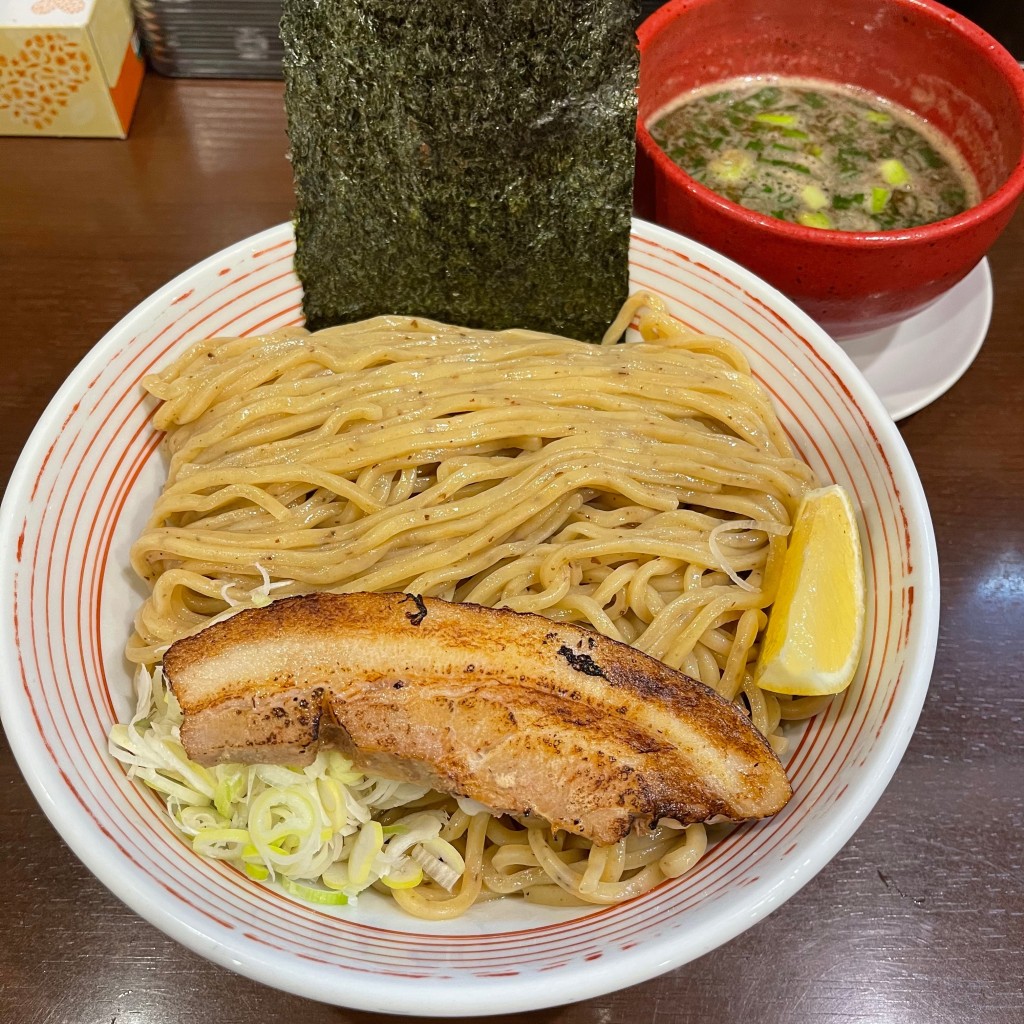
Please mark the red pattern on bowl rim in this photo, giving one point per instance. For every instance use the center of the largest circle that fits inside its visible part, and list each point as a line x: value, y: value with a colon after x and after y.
x: 85, y: 485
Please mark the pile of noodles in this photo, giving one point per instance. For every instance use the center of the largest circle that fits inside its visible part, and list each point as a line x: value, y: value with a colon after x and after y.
x: 644, y: 490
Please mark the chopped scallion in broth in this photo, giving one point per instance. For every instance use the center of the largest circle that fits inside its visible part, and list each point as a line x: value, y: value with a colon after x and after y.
x: 817, y: 154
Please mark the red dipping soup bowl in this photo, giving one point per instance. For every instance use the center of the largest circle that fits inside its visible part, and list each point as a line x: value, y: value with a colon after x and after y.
x: 914, y: 52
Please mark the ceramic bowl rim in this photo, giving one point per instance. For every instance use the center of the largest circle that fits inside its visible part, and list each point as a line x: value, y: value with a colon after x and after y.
x: 498, y: 994
x: 990, y: 207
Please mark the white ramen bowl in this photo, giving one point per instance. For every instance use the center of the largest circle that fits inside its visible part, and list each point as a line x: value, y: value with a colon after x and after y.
x: 82, y: 491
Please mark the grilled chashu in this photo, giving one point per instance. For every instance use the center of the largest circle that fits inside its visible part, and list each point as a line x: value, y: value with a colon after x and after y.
x: 520, y: 713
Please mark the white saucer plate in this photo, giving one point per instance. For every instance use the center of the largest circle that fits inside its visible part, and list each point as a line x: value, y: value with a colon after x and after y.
x: 916, y: 361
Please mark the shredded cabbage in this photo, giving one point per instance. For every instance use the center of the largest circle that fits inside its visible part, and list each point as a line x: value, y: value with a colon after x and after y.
x: 311, y: 830
x: 258, y: 597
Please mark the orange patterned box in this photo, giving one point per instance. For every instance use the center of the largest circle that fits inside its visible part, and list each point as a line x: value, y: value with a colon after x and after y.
x: 68, y: 67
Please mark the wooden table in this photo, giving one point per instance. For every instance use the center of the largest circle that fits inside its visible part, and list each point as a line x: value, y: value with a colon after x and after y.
x: 919, y: 919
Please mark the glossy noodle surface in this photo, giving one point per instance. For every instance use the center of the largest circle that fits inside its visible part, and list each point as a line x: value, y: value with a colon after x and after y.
x: 643, y: 490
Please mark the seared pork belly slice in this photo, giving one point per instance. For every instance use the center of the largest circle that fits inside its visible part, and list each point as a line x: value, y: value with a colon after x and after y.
x: 523, y: 714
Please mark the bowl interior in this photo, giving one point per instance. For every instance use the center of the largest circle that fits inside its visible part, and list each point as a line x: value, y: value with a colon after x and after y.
x: 82, y: 491
x: 918, y: 54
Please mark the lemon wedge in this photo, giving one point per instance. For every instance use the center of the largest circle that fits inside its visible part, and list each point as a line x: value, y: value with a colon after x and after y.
x: 815, y: 633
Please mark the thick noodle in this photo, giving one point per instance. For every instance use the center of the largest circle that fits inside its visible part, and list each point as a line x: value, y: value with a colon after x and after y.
x: 644, y: 490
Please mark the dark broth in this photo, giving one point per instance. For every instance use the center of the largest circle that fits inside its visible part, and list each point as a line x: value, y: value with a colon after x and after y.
x: 816, y: 154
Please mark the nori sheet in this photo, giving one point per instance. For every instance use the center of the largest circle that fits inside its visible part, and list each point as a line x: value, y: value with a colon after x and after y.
x: 465, y: 160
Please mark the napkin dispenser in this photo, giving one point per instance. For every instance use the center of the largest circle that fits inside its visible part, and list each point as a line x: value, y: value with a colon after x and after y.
x: 68, y: 67
x: 212, y: 38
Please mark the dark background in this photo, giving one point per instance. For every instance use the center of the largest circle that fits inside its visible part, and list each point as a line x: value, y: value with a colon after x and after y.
x: 1004, y: 19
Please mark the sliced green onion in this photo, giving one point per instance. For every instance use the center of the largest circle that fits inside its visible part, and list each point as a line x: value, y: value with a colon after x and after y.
x: 196, y: 819
x: 894, y: 172
x: 273, y: 821
x: 406, y: 874
x: 879, y: 199
x: 314, y: 894
x: 814, y: 197
x: 336, y: 876
x: 814, y: 219
x: 877, y: 117
x: 230, y: 787
x: 783, y: 119
x: 340, y: 769
x: 332, y: 800
x: 211, y: 841
x: 368, y: 844
x: 181, y: 794
x: 790, y: 164
x: 732, y: 165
